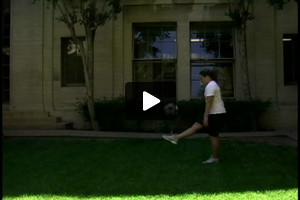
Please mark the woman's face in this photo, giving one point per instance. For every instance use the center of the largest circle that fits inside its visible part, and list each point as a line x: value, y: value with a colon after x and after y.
x: 205, y: 79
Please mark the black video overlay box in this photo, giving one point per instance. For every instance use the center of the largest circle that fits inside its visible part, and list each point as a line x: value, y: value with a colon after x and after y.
x: 137, y: 94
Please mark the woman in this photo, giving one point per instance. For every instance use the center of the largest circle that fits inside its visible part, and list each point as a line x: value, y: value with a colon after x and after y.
x: 213, y: 117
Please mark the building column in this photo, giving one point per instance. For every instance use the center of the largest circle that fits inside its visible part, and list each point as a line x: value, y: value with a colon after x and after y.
x: 183, y: 62
x: 48, y: 15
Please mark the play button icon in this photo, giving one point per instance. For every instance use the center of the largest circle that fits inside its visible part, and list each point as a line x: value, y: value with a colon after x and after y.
x: 149, y: 101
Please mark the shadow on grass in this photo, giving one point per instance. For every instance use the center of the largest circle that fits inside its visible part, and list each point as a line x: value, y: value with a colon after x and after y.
x: 98, y: 167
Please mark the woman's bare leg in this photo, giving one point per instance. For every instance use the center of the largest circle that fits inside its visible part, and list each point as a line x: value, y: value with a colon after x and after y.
x: 190, y: 131
x: 215, y: 144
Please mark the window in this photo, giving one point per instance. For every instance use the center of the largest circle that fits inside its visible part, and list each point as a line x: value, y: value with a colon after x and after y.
x: 72, y: 67
x: 155, y: 52
x: 5, y: 52
x: 212, y: 48
x: 290, y: 58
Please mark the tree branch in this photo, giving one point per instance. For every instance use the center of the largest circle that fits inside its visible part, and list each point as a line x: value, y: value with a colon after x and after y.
x: 71, y: 28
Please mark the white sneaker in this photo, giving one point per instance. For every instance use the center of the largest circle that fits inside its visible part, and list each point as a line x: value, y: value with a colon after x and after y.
x: 211, y: 160
x: 170, y: 138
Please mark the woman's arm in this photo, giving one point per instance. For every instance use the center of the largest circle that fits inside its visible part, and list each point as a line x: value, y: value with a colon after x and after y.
x: 208, y: 104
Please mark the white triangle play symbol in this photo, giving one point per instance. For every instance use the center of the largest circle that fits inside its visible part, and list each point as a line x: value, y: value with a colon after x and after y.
x: 149, y: 101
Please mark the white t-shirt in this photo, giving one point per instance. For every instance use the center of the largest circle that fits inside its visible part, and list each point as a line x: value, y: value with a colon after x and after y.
x: 212, y: 89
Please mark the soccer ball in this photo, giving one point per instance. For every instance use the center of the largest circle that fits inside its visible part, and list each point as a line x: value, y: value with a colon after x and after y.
x: 171, y: 110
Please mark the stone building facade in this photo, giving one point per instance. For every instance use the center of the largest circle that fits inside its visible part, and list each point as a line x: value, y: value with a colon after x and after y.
x: 39, y: 55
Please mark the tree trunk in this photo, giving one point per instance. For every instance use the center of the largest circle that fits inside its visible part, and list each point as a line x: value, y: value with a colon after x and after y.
x: 87, y: 53
x: 87, y: 9
x: 90, y: 35
x: 91, y: 107
x: 242, y: 49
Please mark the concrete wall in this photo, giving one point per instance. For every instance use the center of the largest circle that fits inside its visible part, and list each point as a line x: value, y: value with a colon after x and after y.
x: 26, y: 85
x: 36, y: 57
x: 268, y: 28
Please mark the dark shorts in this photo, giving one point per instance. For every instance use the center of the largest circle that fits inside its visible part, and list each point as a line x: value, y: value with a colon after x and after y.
x: 215, y: 124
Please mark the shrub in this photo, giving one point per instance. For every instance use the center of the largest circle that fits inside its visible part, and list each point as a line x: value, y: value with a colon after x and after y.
x: 243, y: 115
x: 110, y: 113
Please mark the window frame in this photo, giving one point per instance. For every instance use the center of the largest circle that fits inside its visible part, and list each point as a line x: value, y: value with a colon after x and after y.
x: 64, y: 82
x: 5, y: 62
x: 161, y: 60
x: 293, y: 41
x: 213, y: 24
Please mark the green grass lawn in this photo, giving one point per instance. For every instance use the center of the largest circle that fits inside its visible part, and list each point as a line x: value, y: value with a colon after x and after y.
x: 135, y: 169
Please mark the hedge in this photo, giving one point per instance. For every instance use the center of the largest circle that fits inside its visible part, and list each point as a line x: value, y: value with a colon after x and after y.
x: 110, y: 113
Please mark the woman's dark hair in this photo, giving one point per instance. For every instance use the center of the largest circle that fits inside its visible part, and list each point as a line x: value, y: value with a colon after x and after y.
x: 213, y: 74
